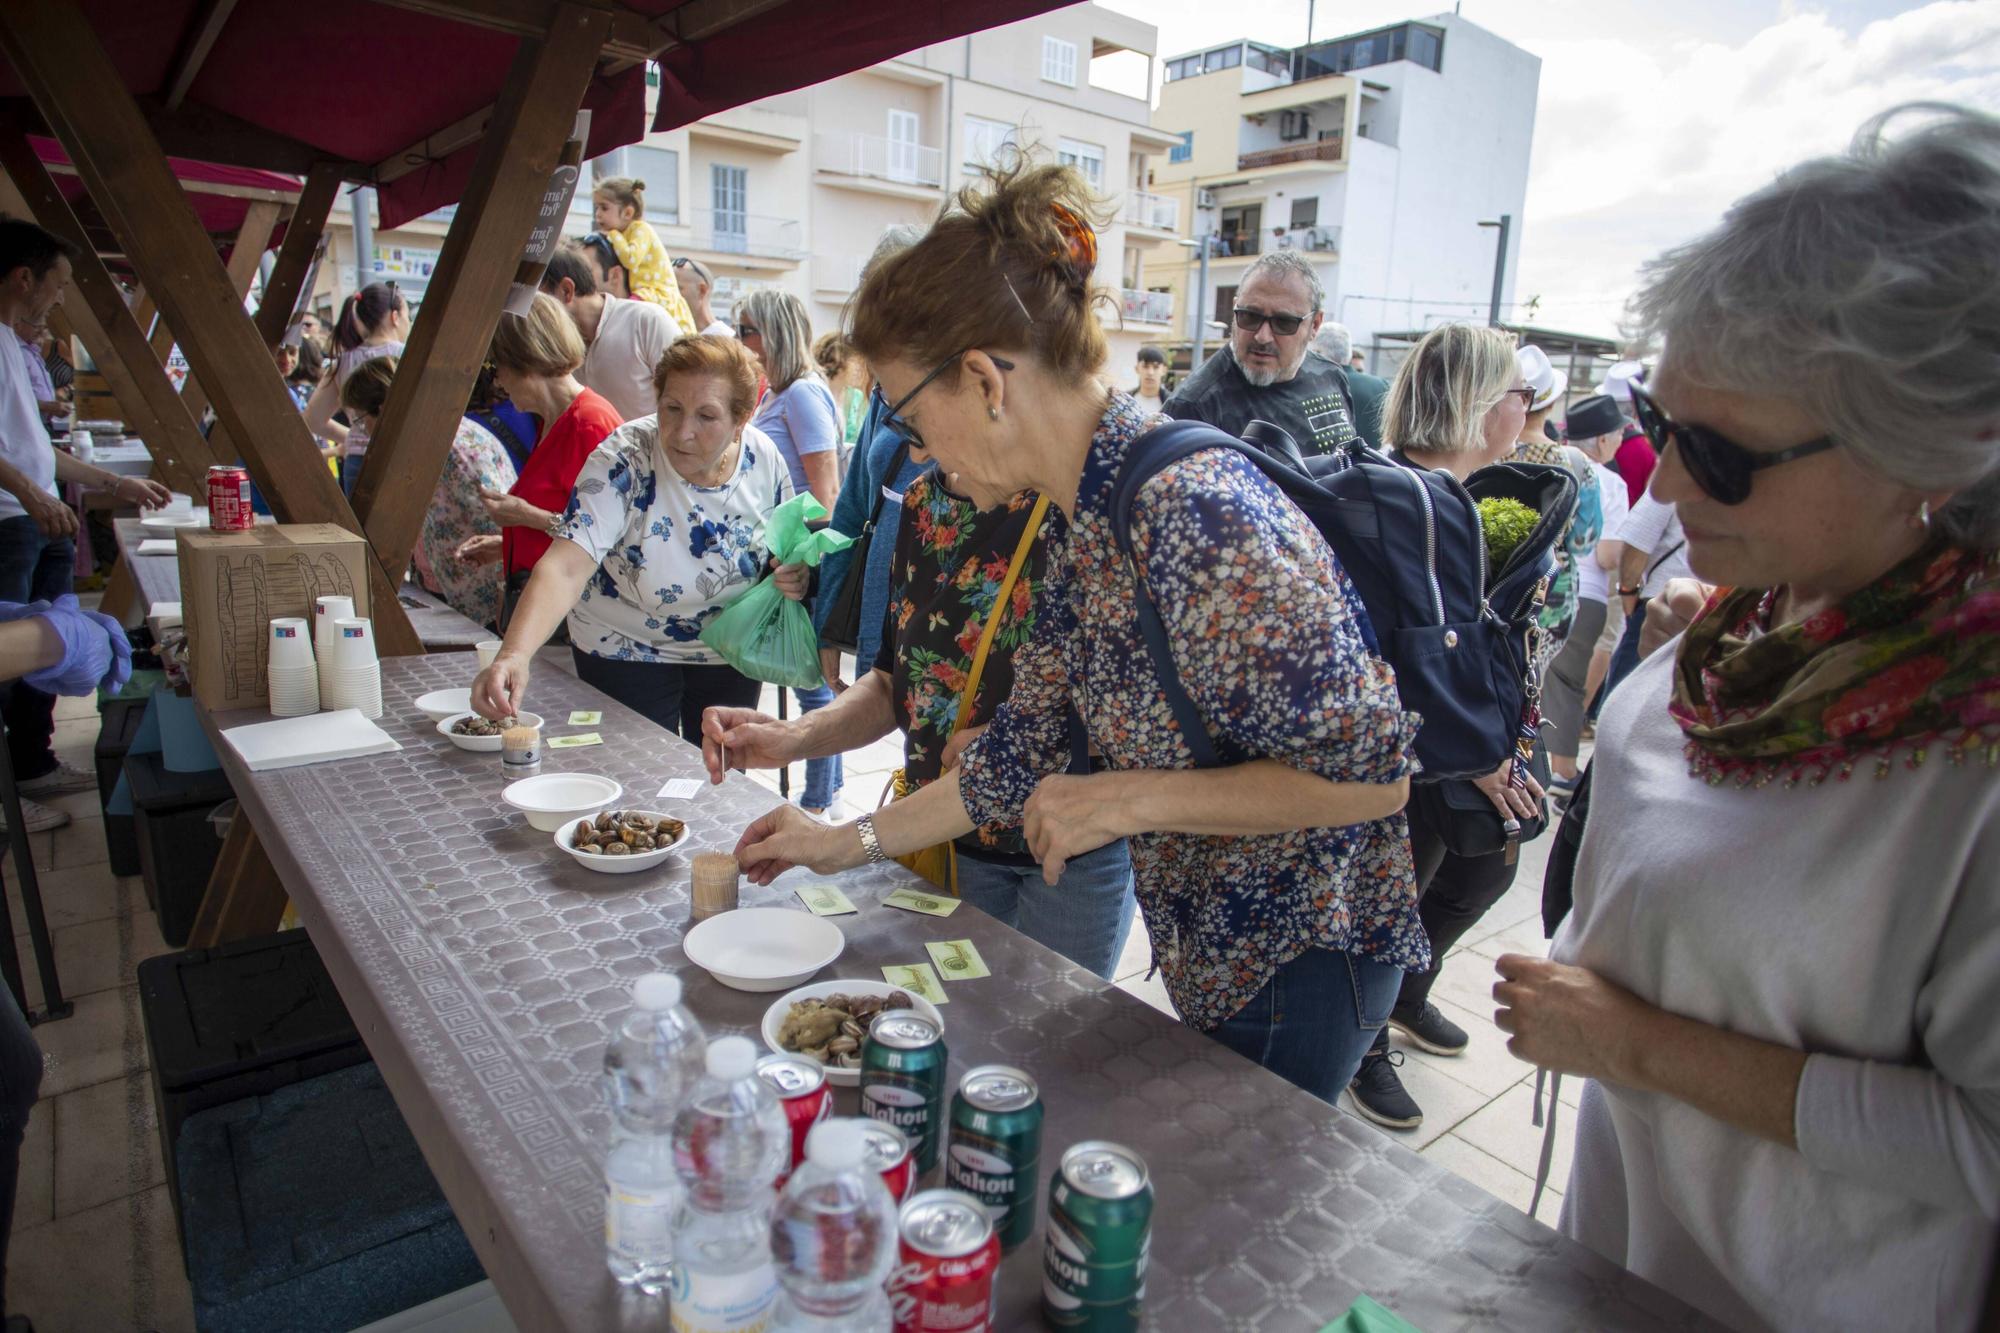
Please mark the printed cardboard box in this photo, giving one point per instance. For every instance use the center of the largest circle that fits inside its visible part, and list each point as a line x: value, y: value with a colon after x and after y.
x: 233, y: 584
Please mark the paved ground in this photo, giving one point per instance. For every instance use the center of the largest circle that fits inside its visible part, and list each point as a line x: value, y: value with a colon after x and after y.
x: 94, y: 1248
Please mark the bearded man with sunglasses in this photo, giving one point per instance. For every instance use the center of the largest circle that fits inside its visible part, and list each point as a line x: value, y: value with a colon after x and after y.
x: 1271, y: 372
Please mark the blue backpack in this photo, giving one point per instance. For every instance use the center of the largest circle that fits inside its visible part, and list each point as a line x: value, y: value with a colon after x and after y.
x: 1459, y: 636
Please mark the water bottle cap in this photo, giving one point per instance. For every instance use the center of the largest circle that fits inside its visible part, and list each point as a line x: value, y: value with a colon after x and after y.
x: 838, y: 1145
x: 731, y: 1058
x: 657, y: 990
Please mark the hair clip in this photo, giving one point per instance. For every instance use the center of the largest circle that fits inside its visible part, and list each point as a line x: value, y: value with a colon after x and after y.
x: 1017, y: 298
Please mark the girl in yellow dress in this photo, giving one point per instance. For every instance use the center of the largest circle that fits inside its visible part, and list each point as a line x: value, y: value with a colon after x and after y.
x: 619, y: 209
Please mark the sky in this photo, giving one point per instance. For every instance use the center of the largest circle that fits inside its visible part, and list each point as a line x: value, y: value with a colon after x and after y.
x: 1654, y: 115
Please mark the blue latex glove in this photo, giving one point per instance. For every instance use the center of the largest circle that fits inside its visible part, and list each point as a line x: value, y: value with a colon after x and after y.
x: 20, y: 610
x: 95, y: 650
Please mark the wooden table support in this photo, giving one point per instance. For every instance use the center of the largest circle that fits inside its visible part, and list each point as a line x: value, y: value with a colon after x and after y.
x: 244, y: 898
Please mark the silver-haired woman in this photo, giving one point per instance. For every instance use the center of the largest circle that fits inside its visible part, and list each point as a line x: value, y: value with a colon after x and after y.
x: 1782, y: 973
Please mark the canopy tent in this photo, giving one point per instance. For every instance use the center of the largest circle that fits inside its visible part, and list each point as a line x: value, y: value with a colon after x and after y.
x: 220, y: 195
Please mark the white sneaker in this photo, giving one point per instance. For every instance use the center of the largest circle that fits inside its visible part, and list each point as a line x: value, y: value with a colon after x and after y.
x: 61, y: 780
x: 38, y: 817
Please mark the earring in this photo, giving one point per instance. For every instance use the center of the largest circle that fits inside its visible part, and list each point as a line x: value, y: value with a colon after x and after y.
x: 992, y: 414
x: 1922, y: 518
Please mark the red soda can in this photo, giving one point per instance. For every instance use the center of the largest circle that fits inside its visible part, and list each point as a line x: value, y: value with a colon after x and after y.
x: 229, y: 498
x: 889, y: 1157
x: 943, y: 1278
x: 800, y: 1083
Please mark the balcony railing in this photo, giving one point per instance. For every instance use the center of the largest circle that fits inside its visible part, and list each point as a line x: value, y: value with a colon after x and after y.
x: 1319, y: 150
x: 1317, y: 240
x: 872, y: 157
x: 1156, y: 211
x: 1147, y: 307
x: 745, y: 234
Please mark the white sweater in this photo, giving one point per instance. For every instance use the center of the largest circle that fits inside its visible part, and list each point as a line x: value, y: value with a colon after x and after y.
x: 1858, y: 921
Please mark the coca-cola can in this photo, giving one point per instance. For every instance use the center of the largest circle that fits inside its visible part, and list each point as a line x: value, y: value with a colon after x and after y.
x: 229, y: 499
x: 949, y: 1253
x: 889, y: 1157
x: 800, y: 1082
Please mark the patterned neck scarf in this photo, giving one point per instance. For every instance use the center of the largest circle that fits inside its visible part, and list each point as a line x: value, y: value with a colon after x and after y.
x: 1912, y: 659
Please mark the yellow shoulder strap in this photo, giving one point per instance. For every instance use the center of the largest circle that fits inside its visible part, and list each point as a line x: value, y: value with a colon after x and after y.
x: 1027, y: 544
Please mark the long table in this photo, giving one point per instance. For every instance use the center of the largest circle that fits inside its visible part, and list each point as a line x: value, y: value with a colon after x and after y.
x: 484, y: 968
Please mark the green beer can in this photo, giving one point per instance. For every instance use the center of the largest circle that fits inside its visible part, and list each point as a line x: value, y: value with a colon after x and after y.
x: 1100, y: 1227
x: 996, y: 1147
x: 902, y: 1080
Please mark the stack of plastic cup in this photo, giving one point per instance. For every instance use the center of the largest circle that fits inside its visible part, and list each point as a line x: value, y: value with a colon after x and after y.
x: 353, y: 679
x: 326, y: 610
x: 179, y: 507
x: 292, y: 675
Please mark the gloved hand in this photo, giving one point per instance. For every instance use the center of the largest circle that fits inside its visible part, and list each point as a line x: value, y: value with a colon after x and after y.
x: 95, y: 650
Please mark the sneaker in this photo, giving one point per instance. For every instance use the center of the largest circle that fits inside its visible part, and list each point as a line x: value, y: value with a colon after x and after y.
x: 1561, y: 792
x: 38, y: 817
x: 1379, y: 1094
x: 61, y: 780
x: 1429, y: 1030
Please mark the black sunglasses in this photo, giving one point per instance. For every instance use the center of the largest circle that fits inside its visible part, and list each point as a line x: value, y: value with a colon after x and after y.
x: 1283, y: 325
x: 749, y: 331
x: 1720, y: 466
x: 1527, y: 397
x: 893, y: 417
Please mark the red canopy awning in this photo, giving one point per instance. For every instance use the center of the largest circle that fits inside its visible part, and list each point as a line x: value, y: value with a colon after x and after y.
x: 220, y: 194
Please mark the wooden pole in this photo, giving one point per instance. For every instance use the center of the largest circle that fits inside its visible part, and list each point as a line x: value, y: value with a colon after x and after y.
x: 481, y: 253
x: 82, y: 95
x: 296, y: 255
x: 246, y: 252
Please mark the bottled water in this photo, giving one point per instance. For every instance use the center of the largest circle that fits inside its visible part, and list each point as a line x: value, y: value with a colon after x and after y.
x: 833, y: 1237
x: 650, y: 1066
x: 731, y: 1140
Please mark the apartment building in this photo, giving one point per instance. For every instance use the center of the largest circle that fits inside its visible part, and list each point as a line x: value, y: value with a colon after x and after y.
x: 1378, y: 156
x: 794, y: 191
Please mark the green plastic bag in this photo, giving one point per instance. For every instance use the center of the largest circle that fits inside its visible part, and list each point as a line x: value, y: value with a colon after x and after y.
x: 763, y: 633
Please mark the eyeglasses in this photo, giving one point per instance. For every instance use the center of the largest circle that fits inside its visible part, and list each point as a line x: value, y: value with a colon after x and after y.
x: 893, y: 417
x: 749, y: 331
x: 1283, y: 325
x: 1527, y: 397
x: 1720, y: 466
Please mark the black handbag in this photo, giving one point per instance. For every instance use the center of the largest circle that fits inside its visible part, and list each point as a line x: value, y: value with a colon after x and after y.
x: 1465, y: 819
x: 842, y: 629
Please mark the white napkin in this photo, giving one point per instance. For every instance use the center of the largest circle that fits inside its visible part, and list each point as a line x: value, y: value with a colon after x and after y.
x: 157, y: 546
x: 312, y: 739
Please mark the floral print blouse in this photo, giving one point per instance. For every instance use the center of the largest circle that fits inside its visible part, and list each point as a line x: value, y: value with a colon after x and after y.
x: 477, y: 459
x: 1269, y: 646
x: 950, y: 560
x: 670, y: 555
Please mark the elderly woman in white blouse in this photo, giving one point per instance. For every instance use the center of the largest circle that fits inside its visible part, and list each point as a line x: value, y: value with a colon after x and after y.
x: 1782, y: 972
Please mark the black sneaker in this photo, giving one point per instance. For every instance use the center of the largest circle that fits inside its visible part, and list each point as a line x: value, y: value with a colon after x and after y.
x: 1429, y: 1030
x: 1379, y: 1094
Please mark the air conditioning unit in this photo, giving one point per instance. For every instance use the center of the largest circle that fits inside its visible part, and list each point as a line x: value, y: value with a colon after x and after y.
x: 1204, y: 199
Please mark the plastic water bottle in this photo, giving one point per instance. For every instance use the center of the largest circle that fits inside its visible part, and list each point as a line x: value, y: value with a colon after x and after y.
x: 730, y: 1142
x: 650, y: 1066
x: 833, y: 1237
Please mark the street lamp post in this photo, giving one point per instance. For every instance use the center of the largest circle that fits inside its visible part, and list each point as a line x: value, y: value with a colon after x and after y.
x: 1505, y: 224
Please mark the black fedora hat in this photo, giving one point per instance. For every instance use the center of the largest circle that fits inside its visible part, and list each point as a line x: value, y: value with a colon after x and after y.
x: 1591, y: 417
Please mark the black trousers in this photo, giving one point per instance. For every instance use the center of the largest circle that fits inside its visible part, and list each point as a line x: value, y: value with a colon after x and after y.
x: 33, y: 568
x: 20, y: 1083
x: 669, y: 695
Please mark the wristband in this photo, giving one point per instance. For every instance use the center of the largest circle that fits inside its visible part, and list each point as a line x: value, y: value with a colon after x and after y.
x: 1628, y: 590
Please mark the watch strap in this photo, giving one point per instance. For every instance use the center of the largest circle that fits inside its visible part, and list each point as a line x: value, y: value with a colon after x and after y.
x: 870, y: 844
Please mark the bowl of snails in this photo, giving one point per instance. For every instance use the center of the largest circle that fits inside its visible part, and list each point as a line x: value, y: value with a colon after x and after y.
x: 621, y: 842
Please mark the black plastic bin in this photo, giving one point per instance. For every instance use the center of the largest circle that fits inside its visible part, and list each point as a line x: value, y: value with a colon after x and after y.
x: 177, y: 847
x: 237, y: 1021
x: 118, y: 727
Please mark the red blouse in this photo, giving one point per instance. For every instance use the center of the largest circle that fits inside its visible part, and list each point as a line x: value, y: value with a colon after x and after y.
x: 550, y: 472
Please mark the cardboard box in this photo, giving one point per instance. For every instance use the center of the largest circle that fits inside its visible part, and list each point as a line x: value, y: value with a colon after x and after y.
x: 234, y: 584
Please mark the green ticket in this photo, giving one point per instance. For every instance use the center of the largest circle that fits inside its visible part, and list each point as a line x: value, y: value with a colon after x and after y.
x: 583, y: 718
x: 917, y: 979
x: 572, y: 742
x: 957, y: 960
x: 910, y: 900
x: 824, y: 900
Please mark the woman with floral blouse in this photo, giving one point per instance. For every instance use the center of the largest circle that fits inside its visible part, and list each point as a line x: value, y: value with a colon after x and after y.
x: 1278, y: 892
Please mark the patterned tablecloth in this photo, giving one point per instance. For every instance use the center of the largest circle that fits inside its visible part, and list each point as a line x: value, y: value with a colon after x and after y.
x: 484, y: 968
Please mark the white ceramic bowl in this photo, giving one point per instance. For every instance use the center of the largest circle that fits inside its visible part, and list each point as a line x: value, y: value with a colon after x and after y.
x: 441, y: 704
x: 763, y: 948
x: 550, y: 800
x: 619, y: 865
x: 774, y: 1017
x: 480, y: 744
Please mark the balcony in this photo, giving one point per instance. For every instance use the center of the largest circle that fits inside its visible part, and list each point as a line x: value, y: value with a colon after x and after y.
x: 878, y: 165
x: 1328, y: 149
x: 745, y: 240
x: 1313, y: 240
x: 1146, y: 307
x: 1153, y: 212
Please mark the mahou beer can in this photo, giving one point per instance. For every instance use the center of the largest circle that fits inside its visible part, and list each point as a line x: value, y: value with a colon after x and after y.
x: 1100, y: 1229
x: 888, y: 1156
x: 996, y: 1147
x: 229, y: 498
x: 800, y: 1083
x: 943, y: 1278
x: 902, y: 1080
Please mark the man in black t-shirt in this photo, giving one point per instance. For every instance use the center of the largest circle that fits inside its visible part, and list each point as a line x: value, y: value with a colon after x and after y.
x: 1269, y: 372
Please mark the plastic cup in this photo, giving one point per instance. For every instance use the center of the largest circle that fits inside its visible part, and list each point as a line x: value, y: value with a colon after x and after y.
x: 178, y: 505
x: 353, y: 643
x: 326, y: 610
x: 291, y: 643
x: 488, y: 650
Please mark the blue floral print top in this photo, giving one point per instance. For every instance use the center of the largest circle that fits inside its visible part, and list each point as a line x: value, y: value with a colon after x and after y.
x: 670, y: 555
x: 1267, y: 642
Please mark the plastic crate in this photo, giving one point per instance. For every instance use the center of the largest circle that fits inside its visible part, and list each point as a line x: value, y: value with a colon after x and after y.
x: 118, y: 725
x: 238, y: 1021
x: 177, y: 848
x: 311, y: 1209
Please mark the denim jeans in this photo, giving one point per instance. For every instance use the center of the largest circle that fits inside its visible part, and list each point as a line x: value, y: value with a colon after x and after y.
x: 32, y: 569
x: 20, y: 1083
x: 350, y: 471
x: 823, y: 776
x: 1084, y: 916
x: 1625, y: 657
x: 1313, y: 1021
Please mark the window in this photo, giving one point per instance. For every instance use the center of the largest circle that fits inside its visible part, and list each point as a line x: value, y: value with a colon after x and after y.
x: 1059, y: 61
x: 1241, y: 228
x: 985, y: 140
x: 660, y: 168
x: 1087, y: 158
x: 903, y: 129
x: 1305, y: 212
x: 729, y: 187
x: 1228, y: 57
x: 1410, y: 41
x: 1184, y: 150
x: 1225, y: 305
x: 1269, y: 61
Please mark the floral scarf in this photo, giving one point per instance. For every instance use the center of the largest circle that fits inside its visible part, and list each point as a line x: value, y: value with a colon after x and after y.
x: 1911, y: 659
